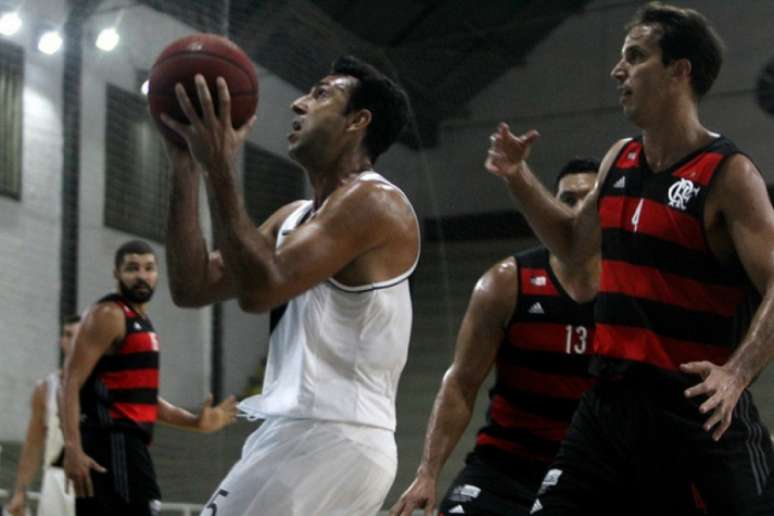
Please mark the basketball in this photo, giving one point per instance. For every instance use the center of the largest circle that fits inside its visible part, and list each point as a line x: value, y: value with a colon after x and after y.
x: 212, y: 56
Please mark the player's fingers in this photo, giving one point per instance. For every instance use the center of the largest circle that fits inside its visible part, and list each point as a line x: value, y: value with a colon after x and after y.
x: 702, y: 368
x: 709, y: 405
x: 89, y: 486
x: 724, y: 424
x: 224, y: 102
x: 205, y: 100
x: 180, y: 129
x: 185, y: 105
x: 97, y: 467
x: 697, y: 390
x: 243, y: 131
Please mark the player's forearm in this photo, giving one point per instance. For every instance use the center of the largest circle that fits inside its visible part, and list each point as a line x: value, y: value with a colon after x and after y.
x: 452, y: 411
x: 29, y: 460
x: 247, y: 254
x: 186, y: 248
x: 551, y: 221
x: 177, y: 417
x: 70, y: 408
x: 757, y: 349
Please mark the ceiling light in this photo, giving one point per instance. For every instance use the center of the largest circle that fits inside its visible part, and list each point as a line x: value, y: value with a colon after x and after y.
x: 50, y: 42
x: 107, y: 39
x: 144, y: 88
x: 10, y: 23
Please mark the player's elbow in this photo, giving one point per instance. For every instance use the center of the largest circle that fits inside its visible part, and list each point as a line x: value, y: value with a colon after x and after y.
x: 253, y: 303
x: 186, y: 297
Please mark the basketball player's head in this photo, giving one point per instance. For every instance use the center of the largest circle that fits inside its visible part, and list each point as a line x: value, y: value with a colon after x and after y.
x: 575, y: 181
x: 355, y: 107
x: 136, y: 271
x: 67, y: 332
x: 669, y: 53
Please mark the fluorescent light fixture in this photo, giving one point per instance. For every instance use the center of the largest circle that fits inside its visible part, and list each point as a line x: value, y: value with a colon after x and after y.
x: 10, y: 23
x: 107, y: 39
x: 144, y: 88
x: 50, y: 42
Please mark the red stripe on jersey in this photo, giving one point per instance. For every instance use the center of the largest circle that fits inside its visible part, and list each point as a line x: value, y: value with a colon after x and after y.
x: 643, y: 345
x: 545, y: 384
x: 511, y: 447
x: 536, y: 282
x: 653, y: 219
x: 539, y: 336
x: 700, y: 169
x: 139, y: 342
x: 630, y: 157
x: 132, y: 379
x: 139, y: 412
x: 507, y: 415
x: 651, y: 284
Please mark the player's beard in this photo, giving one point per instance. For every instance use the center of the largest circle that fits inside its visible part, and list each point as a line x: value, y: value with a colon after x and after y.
x: 134, y: 294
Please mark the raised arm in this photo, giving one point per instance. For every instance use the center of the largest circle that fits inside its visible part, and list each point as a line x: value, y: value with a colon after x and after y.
x: 101, y: 327
x: 481, y: 333
x: 573, y: 237
x: 744, y: 205
x: 32, y: 451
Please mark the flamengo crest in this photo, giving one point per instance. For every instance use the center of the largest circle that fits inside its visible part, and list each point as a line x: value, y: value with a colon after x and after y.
x: 681, y: 192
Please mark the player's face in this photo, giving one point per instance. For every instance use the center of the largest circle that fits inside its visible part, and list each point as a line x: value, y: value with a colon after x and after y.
x: 641, y: 76
x: 137, y: 277
x: 320, y: 120
x: 68, y: 336
x: 573, y: 188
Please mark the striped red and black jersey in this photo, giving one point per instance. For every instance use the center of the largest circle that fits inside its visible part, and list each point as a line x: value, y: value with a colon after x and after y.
x: 664, y: 298
x: 122, y: 391
x: 542, y: 367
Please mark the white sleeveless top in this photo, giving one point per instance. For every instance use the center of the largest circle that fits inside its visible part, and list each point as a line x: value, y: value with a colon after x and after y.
x: 54, y: 437
x: 338, y: 351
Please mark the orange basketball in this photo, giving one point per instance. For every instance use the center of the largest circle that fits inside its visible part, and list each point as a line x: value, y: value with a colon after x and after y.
x: 212, y: 56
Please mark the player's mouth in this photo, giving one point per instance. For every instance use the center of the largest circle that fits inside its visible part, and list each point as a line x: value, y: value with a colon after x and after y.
x: 295, y: 129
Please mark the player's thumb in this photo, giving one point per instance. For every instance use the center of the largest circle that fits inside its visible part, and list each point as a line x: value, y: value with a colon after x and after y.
x: 208, y: 401
x: 97, y: 467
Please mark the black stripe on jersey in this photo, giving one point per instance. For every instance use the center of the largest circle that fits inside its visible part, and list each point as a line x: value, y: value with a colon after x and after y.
x: 139, y: 396
x: 568, y: 364
x: 668, y: 257
x: 555, y: 310
x: 558, y: 409
x: 672, y: 321
x: 142, y: 360
x: 530, y: 441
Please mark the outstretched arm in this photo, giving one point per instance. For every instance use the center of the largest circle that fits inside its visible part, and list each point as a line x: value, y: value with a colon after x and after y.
x: 32, y: 451
x: 210, y: 419
x: 573, y: 237
x: 747, y: 211
x: 482, y: 331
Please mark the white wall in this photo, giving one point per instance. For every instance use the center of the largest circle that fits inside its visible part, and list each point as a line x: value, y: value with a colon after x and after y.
x: 29, y: 238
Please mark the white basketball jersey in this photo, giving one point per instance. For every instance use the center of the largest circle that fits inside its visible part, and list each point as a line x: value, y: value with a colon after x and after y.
x: 338, y: 351
x: 54, y: 438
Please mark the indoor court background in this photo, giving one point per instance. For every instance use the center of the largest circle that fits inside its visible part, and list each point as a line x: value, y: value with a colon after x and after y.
x: 82, y: 170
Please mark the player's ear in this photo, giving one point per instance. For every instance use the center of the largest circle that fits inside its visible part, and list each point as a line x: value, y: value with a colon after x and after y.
x: 360, y: 120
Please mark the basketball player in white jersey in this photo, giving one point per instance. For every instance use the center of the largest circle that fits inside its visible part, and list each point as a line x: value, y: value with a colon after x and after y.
x: 335, y: 271
x: 44, y: 444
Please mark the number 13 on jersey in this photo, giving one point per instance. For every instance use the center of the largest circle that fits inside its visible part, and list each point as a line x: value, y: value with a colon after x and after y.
x: 576, y: 337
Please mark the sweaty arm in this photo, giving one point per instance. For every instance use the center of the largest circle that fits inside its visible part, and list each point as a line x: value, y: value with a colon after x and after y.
x: 101, y: 327
x: 748, y: 215
x: 573, y: 238
x: 481, y: 333
x: 32, y: 451
x: 356, y: 218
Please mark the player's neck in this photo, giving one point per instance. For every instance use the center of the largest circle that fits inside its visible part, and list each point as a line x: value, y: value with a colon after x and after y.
x: 673, y: 137
x: 580, y: 282
x: 335, y: 174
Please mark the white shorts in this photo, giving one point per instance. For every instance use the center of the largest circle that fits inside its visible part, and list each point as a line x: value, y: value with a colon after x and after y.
x: 304, y: 467
x: 53, y: 499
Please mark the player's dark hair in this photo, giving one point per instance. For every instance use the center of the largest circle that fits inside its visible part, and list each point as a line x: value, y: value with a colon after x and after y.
x: 132, y: 247
x: 576, y: 166
x: 387, y: 102
x: 685, y: 34
x: 70, y: 319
